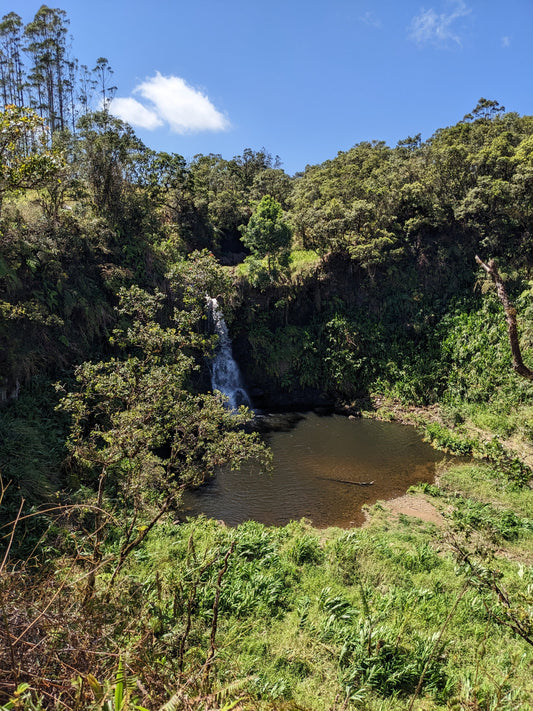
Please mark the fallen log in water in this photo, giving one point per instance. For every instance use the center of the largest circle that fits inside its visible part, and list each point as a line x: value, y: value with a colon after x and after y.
x: 344, y: 481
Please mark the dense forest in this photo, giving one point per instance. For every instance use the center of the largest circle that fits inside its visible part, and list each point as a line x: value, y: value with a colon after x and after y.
x: 350, y: 287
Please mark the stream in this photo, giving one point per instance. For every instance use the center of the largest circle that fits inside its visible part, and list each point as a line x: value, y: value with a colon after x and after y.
x: 318, y: 466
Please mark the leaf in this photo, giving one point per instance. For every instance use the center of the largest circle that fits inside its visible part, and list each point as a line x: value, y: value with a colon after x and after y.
x: 96, y: 687
x: 119, y: 688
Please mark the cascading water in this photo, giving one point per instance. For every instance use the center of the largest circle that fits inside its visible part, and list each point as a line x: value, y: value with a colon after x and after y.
x: 225, y: 373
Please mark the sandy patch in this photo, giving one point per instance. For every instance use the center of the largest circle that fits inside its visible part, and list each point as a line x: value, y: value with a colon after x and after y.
x: 417, y: 506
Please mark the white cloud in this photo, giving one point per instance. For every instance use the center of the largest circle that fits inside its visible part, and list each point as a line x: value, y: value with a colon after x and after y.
x: 430, y: 27
x: 133, y: 112
x: 506, y: 41
x: 170, y: 100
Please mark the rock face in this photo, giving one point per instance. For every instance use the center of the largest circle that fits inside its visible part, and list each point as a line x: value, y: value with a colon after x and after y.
x: 264, y: 396
x: 281, y: 422
x: 278, y: 342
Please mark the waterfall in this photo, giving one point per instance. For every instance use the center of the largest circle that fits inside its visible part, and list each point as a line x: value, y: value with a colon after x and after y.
x: 225, y: 373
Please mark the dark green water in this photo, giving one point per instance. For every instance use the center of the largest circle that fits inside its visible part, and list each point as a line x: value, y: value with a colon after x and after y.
x: 309, y: 461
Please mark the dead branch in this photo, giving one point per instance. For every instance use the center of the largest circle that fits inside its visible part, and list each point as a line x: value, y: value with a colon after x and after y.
x: 510, y: 316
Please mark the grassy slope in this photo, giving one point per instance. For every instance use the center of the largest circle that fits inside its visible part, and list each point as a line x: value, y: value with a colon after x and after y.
x: 351, y: 619
x: 316, y: 618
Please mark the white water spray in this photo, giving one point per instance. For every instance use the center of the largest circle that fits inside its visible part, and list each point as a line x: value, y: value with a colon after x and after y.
x: 225, y: 373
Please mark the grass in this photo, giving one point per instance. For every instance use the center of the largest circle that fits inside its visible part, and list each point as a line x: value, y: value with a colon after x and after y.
x: 479, y: 481
x: 318, y: 620
x: 301, y: 263
x: 509, y: 422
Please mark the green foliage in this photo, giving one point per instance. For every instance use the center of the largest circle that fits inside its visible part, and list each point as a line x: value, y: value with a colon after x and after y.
x: 26, y: 159
x: 481, y: 482
x: 110, y: 158
x: 287, y: 354
x: 508, y: 465
x: 267, y: 234
x: 476, y: 350
x: 139, y: 435
x: 32, y: 440
x: 496, y: 524
x: 364, y: 616
x: 376, y: 661
x: 303, y: 262
x: 344, y: 359
x: 443, y: 438
x: 215, y: 198
x: 342, y: 205
x: 306, y: 550
x: 22, y: 699
x: 125, y: 409
x: 200, y: 275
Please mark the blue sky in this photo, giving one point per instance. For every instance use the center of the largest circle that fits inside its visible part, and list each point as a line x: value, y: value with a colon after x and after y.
x: 302, y: 79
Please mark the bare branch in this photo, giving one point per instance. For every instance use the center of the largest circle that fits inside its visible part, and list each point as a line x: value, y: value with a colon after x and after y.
x: 510, y: 316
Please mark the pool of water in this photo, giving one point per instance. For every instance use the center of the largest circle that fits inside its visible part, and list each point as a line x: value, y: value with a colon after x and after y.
x: 323, y: 467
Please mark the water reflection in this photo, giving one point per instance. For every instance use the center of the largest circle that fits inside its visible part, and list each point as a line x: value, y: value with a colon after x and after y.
x: 318, y: 467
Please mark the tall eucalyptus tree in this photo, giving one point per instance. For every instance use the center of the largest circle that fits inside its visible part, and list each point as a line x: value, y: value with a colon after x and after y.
x: 12, y: 77
x: 103, y: 74
x: 49, y: 78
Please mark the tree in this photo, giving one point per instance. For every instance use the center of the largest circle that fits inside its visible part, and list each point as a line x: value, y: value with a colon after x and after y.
x: 219, y: 194
x: 222, y: 193
x: 26, y: 159
x: 274, y: 182
x: 165, y: 180
x: 485, y: 109
x: 86, y: 86
x: 267, y: 234
x: 510, y: 317
x: 197, y: 276
x: 110, y: 158
x: 250, y: 165
x: 138, y: 432
x: 50, y: 73
x: 344, y: 205
x: 11, y: 69
x: 103, y: 74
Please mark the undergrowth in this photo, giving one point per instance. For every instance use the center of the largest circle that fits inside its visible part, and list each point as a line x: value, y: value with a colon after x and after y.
x: 273, y: 618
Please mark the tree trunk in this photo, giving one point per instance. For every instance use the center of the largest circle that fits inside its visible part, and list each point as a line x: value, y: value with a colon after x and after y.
x: 510, y: 316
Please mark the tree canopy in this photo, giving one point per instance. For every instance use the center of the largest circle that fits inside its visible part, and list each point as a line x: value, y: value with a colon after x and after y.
x: 267, y: 234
